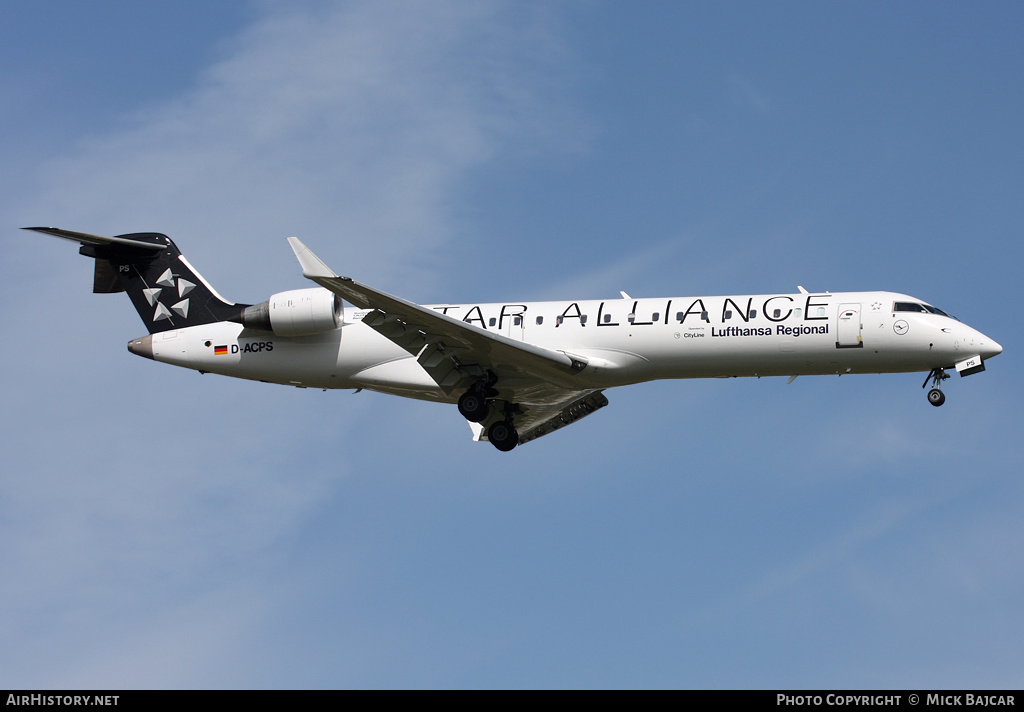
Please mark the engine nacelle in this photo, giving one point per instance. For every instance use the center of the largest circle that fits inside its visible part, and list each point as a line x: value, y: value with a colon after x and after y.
x: 299, y: 312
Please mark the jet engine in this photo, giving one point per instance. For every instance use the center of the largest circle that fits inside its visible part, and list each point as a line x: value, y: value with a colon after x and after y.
x: 299, y: 312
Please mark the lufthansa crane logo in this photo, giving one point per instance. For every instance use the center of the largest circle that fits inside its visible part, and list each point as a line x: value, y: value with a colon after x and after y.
x: 901, y: 327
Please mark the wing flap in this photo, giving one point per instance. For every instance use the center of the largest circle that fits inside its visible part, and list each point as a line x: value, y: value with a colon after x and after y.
x: 577, y: 410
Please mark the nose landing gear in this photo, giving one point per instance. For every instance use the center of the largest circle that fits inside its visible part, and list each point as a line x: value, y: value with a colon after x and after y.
x: 935, y: 396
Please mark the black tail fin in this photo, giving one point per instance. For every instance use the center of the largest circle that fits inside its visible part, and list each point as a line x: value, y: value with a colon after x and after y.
x: 165, y: 289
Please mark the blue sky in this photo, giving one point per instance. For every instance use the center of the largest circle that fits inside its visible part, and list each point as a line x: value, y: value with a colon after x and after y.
x: 165, y: 529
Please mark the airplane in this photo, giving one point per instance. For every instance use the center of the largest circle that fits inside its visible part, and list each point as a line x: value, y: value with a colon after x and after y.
x: 517, y: 370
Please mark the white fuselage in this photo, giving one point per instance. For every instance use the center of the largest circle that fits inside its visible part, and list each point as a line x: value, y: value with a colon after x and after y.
x: 623, y: 341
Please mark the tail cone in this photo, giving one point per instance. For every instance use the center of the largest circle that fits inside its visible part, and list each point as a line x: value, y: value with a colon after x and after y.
x: 142, y: 346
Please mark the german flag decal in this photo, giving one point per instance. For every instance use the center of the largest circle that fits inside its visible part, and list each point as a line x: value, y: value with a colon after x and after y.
x: 220, y: 350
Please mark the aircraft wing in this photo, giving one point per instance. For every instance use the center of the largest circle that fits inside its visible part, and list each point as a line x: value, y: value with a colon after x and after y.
x: 446, y: 347
x: 456, y: 354
x: 537, y: 423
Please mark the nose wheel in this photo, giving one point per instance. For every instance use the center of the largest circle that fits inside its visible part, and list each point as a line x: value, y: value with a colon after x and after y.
x: 935, y: 396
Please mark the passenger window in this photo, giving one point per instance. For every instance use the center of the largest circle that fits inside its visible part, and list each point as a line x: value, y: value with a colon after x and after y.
x: 631, y: 318
x: 492, y: 321
x: 776, y: 313
x: 518, y: 321
x: 540, y: 320
x: 607, y: 318
x: 558, y: 321
x: 752, y: 314
x: 583, y: 318
x: 654, y: 316
x: 704, y: 316
x: 679, y: 316
x: 728, y: 315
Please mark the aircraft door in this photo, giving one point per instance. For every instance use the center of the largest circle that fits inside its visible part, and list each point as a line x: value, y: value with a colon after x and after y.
x: 848, y: 331
x: 513, y: 321
x: 514, y: 327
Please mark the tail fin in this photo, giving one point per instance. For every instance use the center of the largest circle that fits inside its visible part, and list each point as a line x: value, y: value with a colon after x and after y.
x: 165, y: 289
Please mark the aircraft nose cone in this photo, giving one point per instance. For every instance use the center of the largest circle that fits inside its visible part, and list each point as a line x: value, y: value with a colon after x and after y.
x: 990, y: 348
x: 985, y: 347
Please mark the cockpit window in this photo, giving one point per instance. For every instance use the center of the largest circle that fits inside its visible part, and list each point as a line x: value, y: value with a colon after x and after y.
x: 916, y: 307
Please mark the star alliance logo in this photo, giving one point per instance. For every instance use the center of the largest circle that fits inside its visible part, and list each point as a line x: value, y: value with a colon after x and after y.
x: 167, y: 280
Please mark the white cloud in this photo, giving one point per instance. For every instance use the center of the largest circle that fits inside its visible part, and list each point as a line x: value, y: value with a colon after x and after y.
x: 138, y: 497
x: 352, y: 125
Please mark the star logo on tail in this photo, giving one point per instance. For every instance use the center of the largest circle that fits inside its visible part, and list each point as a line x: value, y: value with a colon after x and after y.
x: 171, y: 281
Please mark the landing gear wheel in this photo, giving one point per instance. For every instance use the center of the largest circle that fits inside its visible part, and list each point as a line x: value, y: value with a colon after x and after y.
x: 503, y: 436
x: 935, y: 396
x: 473, y: 406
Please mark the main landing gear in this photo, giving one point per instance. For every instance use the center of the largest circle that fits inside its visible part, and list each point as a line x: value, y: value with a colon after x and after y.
x: 503, y: 435
x: 935, y: 396
x: 475, y: 407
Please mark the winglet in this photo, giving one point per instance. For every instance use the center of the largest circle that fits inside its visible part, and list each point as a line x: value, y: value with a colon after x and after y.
x: 312, y: 266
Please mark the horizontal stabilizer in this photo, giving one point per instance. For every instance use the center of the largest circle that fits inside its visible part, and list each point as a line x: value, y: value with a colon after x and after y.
x: 85, y: 238
x: 165, y: 290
